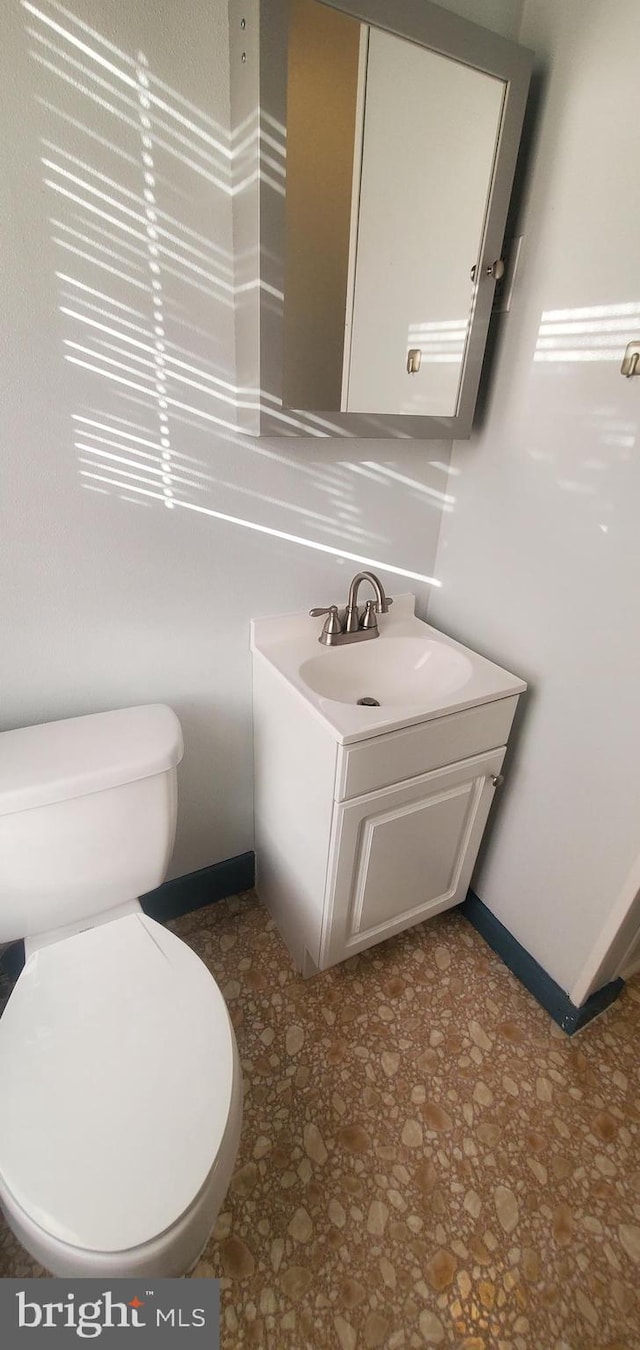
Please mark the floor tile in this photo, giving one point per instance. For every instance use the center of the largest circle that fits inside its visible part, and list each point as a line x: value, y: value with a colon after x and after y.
x: 426, y: 1159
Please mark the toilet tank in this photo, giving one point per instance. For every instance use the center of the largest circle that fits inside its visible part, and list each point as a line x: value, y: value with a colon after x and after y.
x: 87, y: 815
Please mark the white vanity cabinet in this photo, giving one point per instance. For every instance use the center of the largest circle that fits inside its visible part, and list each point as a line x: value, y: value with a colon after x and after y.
x: 399, y: 855
x: 359, y: 837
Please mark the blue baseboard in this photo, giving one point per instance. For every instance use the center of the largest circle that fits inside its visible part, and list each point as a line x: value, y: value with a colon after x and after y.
x: 532, y: 975
x: 172, y: 899
x: 194, y: 891
x: 201, y: 888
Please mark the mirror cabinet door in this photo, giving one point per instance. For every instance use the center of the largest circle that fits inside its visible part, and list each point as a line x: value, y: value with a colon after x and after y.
x: 401, y: 125
x: 422, y: 204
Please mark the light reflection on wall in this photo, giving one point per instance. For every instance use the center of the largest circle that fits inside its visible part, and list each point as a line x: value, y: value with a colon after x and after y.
x: 381, y: 473
x: 589, y: 333
x: 147, y: 296
x: 441, y: 342
x: 594, y: 334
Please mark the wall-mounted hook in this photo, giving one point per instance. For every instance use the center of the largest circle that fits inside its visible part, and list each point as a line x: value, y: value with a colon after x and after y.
x: 631, y: 360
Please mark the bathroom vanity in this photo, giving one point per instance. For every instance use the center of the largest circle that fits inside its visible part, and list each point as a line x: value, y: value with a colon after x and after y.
x: 368, y: 819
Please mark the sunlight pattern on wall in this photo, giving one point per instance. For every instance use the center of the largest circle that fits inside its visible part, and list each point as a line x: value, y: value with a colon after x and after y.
x: 589, y: 333
x: 441, y: 342
x: 138, y: 181
x: 119, y: 249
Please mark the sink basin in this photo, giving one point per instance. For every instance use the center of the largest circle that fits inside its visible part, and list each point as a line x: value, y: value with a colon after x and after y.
x: 409, y: 673
x: 394, y: 671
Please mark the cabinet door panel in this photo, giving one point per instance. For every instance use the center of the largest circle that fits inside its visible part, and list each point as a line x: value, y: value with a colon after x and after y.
x: 407, y: 856
x: 404, y: 853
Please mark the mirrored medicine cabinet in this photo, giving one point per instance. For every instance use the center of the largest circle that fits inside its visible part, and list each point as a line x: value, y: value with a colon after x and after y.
x: 374, y: 147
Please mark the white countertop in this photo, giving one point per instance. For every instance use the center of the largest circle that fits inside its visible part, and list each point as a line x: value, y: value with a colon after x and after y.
x: 289, y: 644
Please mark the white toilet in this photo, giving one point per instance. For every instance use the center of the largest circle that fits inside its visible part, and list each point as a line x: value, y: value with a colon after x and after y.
x: 119, y: 1073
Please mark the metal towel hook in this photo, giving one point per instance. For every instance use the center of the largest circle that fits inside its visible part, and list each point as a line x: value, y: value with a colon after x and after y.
x: 631, y: 360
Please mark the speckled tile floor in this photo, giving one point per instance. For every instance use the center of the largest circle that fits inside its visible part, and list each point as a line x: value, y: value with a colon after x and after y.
x: 426, y: 1159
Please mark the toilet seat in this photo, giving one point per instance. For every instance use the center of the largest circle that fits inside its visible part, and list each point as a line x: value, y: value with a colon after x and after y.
x: 120, y: 1078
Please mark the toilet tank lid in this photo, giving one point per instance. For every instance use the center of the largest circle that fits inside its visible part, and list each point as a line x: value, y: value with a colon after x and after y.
x: 56, y: 761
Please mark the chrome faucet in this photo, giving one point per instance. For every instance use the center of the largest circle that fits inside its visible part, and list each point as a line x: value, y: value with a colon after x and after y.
x: 352, y: 618
x: 354, y: 626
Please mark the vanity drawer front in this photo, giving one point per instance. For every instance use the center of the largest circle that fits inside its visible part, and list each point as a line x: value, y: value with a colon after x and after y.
x: 414, y: 750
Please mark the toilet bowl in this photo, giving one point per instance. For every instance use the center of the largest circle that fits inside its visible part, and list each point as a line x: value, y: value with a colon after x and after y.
x: 121, y: 1082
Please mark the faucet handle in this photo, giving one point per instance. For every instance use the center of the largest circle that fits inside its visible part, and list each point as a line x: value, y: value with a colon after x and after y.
x: 370, y: 617
x: 332, y: 625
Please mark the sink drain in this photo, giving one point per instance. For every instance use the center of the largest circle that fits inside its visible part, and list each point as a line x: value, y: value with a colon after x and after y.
x: 368, y: 703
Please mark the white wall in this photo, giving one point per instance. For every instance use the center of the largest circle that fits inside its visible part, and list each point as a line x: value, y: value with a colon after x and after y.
x: 501, y: 16
x: 539, y: 558
x: 108, y: 595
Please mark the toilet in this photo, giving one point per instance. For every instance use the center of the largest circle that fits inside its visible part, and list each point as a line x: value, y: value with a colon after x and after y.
x: 119, y: 1072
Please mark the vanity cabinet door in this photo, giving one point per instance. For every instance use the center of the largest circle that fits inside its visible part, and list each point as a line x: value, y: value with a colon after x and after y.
x: 402, y: 854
